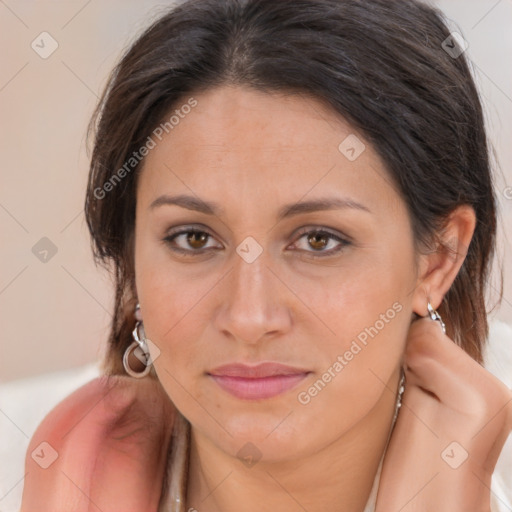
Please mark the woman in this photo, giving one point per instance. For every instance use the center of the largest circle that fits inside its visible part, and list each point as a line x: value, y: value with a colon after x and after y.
x: 297, y: 201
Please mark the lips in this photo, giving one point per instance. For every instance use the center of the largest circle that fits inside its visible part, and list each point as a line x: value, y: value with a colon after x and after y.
x: 258, y: 382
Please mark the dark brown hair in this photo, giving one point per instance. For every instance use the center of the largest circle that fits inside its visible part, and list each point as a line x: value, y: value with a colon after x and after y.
x: 383, y: 65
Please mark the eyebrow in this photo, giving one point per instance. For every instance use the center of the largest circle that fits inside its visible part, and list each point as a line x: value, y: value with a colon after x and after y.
x: 211, y: 208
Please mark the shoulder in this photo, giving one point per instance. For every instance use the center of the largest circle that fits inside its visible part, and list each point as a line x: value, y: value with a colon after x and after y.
x: 109, y: 424
x: 104, y: 399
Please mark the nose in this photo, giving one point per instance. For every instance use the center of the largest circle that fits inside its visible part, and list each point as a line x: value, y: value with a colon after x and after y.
x: 254, y: 303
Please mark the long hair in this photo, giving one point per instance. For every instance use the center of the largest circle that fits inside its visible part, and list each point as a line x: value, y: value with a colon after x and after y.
x: 383, y: 65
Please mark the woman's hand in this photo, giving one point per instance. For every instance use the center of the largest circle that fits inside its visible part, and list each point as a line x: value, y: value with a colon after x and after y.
x: 453, y: 423
x: 112, y: 439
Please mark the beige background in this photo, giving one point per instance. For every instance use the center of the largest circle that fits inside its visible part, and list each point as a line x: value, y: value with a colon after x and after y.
x: 55, y: 314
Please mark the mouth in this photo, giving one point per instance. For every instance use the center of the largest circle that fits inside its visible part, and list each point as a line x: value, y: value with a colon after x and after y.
x: 258, y: 382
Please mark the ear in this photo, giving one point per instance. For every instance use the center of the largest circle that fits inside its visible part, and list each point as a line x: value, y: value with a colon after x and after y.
x: 438, y: 269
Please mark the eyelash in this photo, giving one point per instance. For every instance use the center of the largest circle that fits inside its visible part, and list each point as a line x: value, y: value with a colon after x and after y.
x: 169, y: 239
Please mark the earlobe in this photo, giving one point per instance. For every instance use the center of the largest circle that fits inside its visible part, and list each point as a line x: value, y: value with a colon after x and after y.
x: 439, y: 268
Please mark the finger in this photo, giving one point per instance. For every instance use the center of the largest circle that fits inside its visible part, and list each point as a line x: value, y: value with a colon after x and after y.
x: 437, y: 366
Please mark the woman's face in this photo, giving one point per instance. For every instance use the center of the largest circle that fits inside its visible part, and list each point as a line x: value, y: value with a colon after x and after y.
x: 256, y: 284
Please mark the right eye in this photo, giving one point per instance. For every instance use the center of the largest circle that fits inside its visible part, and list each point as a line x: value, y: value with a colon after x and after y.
x: 195, y: 239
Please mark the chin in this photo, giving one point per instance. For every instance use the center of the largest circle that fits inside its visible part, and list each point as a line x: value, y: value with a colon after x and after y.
x: 273, y: 435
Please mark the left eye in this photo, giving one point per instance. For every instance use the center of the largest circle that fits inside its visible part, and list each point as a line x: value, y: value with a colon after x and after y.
x: 196, y: 239
x: 319, y: 239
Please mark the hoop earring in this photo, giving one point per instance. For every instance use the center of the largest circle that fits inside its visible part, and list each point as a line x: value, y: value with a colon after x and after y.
x: 434, y: 315
x: 139, y: 348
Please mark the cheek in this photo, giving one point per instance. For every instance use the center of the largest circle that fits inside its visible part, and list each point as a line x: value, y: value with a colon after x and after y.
x: 369, y: 323
x: 364, y: 313
x: 370, y: 319
x: 174, y: 308
x: 364, y: 297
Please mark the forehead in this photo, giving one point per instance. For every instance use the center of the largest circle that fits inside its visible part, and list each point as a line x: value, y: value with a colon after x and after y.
x: 241, y: 144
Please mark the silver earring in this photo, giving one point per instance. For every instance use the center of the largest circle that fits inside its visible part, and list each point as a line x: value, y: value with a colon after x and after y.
x: 434, y: 315
x: 139, y: 348
x: 401, y: 389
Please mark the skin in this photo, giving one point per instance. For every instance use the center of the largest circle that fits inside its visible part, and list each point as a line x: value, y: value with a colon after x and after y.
x: 244, y: 150
x: 252, y: 153
x: 455, y: 419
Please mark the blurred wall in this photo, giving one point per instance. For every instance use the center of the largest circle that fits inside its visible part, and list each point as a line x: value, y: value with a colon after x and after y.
x: 55, y: 305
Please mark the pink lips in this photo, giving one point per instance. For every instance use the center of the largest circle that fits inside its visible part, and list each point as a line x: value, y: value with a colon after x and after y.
x: 257, y: 382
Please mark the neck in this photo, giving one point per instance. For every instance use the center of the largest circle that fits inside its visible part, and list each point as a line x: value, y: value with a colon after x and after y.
x: 338, y: 477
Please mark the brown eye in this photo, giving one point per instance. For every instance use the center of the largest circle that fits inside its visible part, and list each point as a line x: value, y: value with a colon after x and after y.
x: 317, y: 240
x: 190, y: 241
x: 196, y: 239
